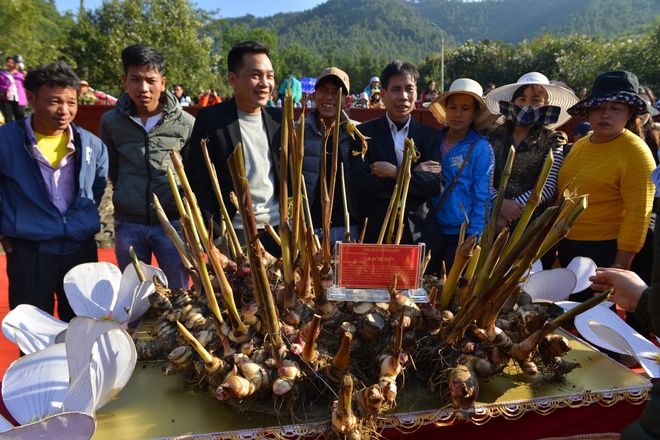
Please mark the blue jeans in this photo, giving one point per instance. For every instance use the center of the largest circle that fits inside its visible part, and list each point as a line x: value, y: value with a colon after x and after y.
x: 146, y: 240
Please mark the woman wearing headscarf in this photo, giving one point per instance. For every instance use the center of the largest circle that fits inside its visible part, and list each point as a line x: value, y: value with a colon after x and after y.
x: 531, y: 108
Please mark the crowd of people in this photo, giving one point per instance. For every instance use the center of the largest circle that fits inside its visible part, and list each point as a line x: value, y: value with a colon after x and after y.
x: 51, y: 189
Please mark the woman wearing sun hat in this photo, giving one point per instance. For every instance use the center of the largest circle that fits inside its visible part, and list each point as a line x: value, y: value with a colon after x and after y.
x: 532, y: 108
x: 467, y: 162
x: 613, y: 166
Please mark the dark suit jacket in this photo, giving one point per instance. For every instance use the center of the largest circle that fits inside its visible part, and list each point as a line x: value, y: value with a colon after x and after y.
x: 219, y: 123
x: 375, y: 192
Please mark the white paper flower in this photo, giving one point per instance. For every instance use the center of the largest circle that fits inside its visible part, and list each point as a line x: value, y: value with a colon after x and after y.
x: 100, y: 290
x: 95, y: 290
x: 557, y: 284
x: 80, y: 375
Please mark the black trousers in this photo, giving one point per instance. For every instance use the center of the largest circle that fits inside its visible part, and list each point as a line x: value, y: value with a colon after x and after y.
x: 12, y: 111
x: 36, y: 277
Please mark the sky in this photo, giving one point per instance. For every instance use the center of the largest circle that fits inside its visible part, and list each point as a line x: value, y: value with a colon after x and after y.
x: 228, y: 8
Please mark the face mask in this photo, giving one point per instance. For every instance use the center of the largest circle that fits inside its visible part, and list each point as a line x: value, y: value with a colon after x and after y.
x: 529, y: 116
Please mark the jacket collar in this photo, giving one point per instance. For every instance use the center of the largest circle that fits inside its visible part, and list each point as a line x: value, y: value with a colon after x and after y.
x: 171, y: 106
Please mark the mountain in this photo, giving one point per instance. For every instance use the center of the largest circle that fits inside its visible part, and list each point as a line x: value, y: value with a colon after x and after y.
x: 403, y: 29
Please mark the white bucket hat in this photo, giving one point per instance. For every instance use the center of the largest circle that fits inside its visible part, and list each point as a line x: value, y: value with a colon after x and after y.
x: 483, y: 117
x: 557, y: 95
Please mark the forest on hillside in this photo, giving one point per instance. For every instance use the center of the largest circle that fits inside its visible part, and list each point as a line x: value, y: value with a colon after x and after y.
x: 490, y: 40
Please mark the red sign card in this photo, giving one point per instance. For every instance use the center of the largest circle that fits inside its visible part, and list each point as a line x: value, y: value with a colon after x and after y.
x: 372, y: 266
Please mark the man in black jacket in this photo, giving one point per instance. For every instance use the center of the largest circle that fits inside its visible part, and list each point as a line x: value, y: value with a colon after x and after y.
x: 373, y: 178
x: 245, y: 119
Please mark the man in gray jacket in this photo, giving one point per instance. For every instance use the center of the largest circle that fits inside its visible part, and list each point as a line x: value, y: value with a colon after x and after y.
x: 140, y: 133
x: 319, y: 128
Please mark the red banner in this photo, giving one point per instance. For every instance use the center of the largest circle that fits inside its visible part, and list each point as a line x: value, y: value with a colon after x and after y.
x: 373, y: 266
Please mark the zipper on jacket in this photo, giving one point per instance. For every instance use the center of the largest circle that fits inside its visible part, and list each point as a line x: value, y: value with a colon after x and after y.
x: 66, y: 229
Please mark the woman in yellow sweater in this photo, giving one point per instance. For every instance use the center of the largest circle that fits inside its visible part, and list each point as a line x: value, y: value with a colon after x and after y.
x: 613, y: 166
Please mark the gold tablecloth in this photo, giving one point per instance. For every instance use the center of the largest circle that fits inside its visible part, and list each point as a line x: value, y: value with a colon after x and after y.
x: 155, y: 406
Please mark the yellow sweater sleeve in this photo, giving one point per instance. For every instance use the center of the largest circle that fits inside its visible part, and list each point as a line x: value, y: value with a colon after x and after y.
x: 616, y: 176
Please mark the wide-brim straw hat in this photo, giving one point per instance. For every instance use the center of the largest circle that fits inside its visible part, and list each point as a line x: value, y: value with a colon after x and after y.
x: 466, y: 86
x: 557, y: 95
x: 614, y: 86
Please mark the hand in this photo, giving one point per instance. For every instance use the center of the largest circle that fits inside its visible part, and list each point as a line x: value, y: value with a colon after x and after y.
x: 500, y: 224
x: 627, y: 285
x: 6, y: 245
x: 430, y: 165
x: 384, y: 169
x: 510, y: 211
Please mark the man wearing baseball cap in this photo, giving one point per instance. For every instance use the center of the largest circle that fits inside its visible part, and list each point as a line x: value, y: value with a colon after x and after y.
x: 319, y: 132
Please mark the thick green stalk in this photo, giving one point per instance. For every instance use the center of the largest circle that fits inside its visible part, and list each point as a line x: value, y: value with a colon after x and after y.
x: 207, y: 242
x: 235, y: 244
x: 563, y: 225
x: 463, y: 255
x: 175, y: 192
x: 388, y: 214
x: 136, y: 264
x: 333, y: 176
x: 506, y: 261
x: 347, y: 218
x: 488, y: 236
x: 411, y: 153
x: 172, y: 234
x: 296, y: 159
x: 532, y: 202
x: 491, y: 260
x: 257, y: 270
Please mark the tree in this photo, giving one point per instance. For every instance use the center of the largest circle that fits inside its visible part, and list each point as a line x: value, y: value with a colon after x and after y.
x: 34, y: 29
x: 171, y: 26
x: 225, y: 35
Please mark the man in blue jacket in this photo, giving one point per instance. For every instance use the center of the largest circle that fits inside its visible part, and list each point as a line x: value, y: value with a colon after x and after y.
x: 52, y: 178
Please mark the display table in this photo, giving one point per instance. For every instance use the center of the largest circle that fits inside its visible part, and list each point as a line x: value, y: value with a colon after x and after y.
x: 601, y: 397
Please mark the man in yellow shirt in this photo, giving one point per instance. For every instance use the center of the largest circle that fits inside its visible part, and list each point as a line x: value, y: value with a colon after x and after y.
x: 52, y: 178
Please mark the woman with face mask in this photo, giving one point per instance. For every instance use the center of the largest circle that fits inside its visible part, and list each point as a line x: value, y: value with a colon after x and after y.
x: 531, y: 109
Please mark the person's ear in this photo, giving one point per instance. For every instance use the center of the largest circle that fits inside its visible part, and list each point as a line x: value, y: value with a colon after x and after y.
x: 31, y: 97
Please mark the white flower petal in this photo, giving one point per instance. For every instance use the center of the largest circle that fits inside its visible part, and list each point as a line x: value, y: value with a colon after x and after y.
x: 133, y: 299
x: 31, y: 328
x: 5, y: 425
x: 91, y: 289
x: 550, y: 285
x: 583, y: 268
x: 35, y: 385
x: 141, y: 303
x: 112, y: 355
x: 69, y: 425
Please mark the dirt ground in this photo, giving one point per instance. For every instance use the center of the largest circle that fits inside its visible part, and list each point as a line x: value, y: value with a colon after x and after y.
x: 106, y: 237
